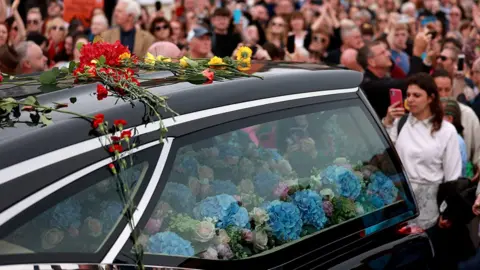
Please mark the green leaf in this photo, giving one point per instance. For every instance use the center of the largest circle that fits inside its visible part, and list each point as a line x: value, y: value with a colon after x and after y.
x: 48, y: 77
x: 72, y: 66
x: 80, y: 45
x: 6, y: 105
x: 73, y: 100
x: 44, y: 120
x: 192, y: 63
x: 102, y: 60
x: 49, y: 88
x: 30, y: 100
x: 56, y: 71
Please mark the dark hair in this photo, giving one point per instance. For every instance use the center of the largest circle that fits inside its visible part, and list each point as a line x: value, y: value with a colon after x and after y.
x: 298, y: 15
x: 74, y: 24
x: 159, y: 20
x: 441, y: 73
x: 9, y: 59
x: 224, y: 12
x: 452, y: 108
x: 365, y: 53
x: 36, y: 37
x: 455, y: 42
x: 77, y: 37
x: 427, y: 84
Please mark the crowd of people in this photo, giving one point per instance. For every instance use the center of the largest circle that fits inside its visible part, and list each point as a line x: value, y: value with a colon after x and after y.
x: 428, y: 49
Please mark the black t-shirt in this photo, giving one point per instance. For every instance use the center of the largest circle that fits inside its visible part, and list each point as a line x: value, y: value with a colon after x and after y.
x: 224, y: 45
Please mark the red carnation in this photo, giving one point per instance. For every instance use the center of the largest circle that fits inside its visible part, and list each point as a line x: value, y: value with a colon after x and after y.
x: 208, y: 74
x: 115, y: 138
x: 126, y: 134
x: 119, y: 122
x: 115, y: 148
x: 102, y: 92
x: 98, y: 119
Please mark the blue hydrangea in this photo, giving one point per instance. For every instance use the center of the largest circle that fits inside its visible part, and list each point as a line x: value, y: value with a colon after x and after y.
x: 383, y: 187
x: 66, y: 214
x: 179, y: 197
x: 228, y: 150
x: 265, y: 183
x: 223, y: 187
x: 224, y: 208
x: 310, y: 205
x: 346, y: 182
x: 188, y: 165
x: 239, y: 219
x: 270, y: 153
x: 284, y: 220
x: 169, y: 243
x: 111, y: 211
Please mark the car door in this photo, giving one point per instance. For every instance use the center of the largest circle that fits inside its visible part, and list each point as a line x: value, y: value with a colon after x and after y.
x: 282, y: 188
x: 81, y: 213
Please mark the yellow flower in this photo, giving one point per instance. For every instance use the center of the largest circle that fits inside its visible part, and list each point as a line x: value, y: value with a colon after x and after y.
x: 183, y: 62
x: 125, y: 55
x: 244, y: 53
x: 94, y: 61
x: 162, y: 58
x: 150, y: 59
x: 216, y: 63
x: 244, y: 64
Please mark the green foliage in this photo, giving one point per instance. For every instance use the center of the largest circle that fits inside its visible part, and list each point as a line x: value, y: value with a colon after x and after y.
x: 49, y: 77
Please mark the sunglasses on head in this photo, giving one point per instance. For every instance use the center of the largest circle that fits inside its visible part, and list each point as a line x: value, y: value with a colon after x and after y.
x: 159, y: 27
x: 34, y: 22
x: 60, y: 28
x: 442, y: 58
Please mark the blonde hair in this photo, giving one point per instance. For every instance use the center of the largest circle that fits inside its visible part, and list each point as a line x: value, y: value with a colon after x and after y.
x: 52, y: 22
x: 34, y: 10
x: 284, y: 35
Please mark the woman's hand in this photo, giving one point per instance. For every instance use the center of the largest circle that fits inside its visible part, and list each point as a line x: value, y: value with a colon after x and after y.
x: 476, y: 206
x: 393, y: 112
x: 15, y: 5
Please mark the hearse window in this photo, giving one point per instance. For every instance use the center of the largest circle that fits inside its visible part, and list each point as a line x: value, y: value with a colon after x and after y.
x: 265, y: 186
x: 80, y: 222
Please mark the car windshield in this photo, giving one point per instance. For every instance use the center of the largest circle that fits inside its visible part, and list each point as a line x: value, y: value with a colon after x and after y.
x: 263, y: 186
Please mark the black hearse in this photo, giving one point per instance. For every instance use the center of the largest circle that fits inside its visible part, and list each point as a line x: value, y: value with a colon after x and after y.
x: 252, y: 140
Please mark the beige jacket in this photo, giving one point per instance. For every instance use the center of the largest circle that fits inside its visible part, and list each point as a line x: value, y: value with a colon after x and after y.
x: 471, y: 133
x: 143, y: 40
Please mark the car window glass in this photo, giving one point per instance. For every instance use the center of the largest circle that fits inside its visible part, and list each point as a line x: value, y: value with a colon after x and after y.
x: 262, y: 187
x: 81, y: 222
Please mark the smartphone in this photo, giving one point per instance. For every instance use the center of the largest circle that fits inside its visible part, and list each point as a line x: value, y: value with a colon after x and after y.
x: 427, y: 20
x: 158, y: 5
x: 237, y: 16
x: 317, y: 2
x: 461, y: 61
x: 396, y: 96
x: 254, y: 50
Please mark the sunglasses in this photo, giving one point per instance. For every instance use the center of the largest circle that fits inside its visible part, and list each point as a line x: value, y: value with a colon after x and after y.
x: 158, y: 27
x: 320, y: 39
x: 34, y: 22
x: 60, y: 28
x: 442, y: 58
x: 278, y: 24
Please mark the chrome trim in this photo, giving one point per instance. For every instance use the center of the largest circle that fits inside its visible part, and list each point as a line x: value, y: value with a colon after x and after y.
x: 33, y: 164
x: 11, y: 212
x: 142, y: 205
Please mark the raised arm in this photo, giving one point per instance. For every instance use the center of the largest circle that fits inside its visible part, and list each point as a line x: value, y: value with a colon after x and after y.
x: 22, y: 33
x: 3, y: 10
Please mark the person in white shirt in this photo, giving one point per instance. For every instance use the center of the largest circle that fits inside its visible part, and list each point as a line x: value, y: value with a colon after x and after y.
x: 426, y: 144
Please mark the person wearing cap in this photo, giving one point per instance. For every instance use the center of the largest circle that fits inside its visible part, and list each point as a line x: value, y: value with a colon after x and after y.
x: 126, y: 14
x: 224, y: 39
x: 200, y: 43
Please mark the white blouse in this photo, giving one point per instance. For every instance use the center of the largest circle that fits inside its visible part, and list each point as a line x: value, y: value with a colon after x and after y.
x: 428, y: 160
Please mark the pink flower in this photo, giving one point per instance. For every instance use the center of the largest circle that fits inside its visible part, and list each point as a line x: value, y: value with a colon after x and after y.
x: 153, y: 225
x: 328, y: 208
x: 224, y: 251
x: 210, y: 254
x: 281, y: 190
x: 247, y: 235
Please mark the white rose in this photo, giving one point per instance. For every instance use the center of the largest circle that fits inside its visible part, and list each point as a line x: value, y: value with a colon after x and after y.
x: 210, y: 254
x: 222, y: 237
x: 259, y: 215
x: 327, y: 193
x: 204, y: 231
x: 260, y: 239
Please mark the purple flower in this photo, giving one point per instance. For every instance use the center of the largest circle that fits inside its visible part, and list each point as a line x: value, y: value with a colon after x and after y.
x: 328, y: 208
x: 281, y: 190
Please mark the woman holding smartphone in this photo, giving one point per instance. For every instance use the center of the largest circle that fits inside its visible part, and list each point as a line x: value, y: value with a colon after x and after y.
x: 428, y: 148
